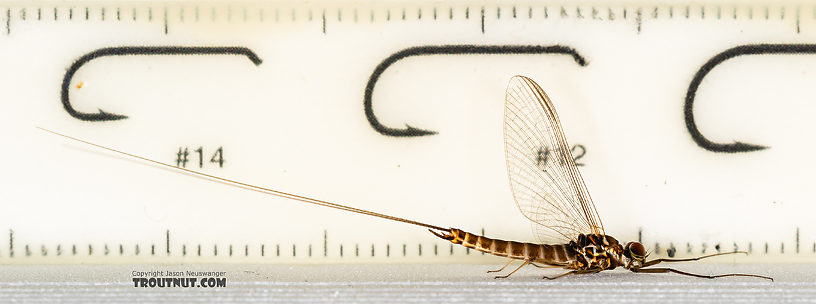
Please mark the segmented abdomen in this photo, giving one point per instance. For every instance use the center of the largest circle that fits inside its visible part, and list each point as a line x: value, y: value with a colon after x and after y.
x: 557, y: 254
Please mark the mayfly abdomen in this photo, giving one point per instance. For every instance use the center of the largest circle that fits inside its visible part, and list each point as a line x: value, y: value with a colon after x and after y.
x: 558, y: 254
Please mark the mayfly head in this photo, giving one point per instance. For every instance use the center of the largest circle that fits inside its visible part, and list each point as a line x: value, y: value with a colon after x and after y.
x: 635, y: 252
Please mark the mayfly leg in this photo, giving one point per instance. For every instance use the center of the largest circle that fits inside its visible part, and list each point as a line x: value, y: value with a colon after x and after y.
x: 580, y: 271
x: 501, y: 269
x: 658, y: 261
x: 665, y: 270
x: 527, y: 261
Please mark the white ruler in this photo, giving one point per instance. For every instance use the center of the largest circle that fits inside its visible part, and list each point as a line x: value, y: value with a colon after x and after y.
x: 396, y: 108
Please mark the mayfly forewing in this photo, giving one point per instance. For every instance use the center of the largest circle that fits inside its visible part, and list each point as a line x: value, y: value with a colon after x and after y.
x: 546, y: 184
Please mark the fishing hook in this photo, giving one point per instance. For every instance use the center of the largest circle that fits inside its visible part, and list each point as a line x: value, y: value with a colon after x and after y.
x: 464, y: 49
x: 749, y: 49
x: 139, y: 50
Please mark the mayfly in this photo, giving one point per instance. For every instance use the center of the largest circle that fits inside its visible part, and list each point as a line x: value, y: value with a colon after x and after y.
x: 547, y: 188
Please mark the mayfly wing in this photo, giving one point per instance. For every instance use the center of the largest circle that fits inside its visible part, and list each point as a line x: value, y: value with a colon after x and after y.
x: 546, y: 184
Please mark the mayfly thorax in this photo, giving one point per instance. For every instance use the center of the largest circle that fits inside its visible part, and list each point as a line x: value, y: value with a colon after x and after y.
x: 548, y: 191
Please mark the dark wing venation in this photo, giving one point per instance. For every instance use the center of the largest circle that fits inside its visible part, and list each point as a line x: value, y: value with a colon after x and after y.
x: 546, y: 184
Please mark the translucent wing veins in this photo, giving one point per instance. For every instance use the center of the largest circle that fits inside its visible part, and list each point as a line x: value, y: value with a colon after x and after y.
x: 546, y: 184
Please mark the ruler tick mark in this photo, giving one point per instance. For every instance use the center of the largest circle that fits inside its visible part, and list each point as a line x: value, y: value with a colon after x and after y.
x: 90, y: 249
x: 514, y: 12
x: 356, y: 250
x: 71, y: 13
x: 136, y: 249
x: 263, y: 250
x: 230, y: 250
x: 59, y: 249
x: 118, y: 14
x: 165, y: 21
x: 324, y: 22
x: 199, y: 250
x: 404, y: 249
x: 103, y: 14
x: 797, y: 240
x: 483, y: 25
x: 798, y: 31
x: 183, y: 250
x: 133, y: 14
x: 87, y: 13
x: 167, y: 241
x: 8, y: 21
x: 246, y: 250
x: 106, y: 252
x: 372, y: 250
x: 56, y: 14
x: 27, y: 251
x: 152, y: 249
x: 498, y: 12
x: 11, y: 243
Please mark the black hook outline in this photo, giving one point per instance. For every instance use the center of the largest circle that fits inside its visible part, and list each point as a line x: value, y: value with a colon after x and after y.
x: 749, y: 49
x: 466, y: 49
x: 139, y: 50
